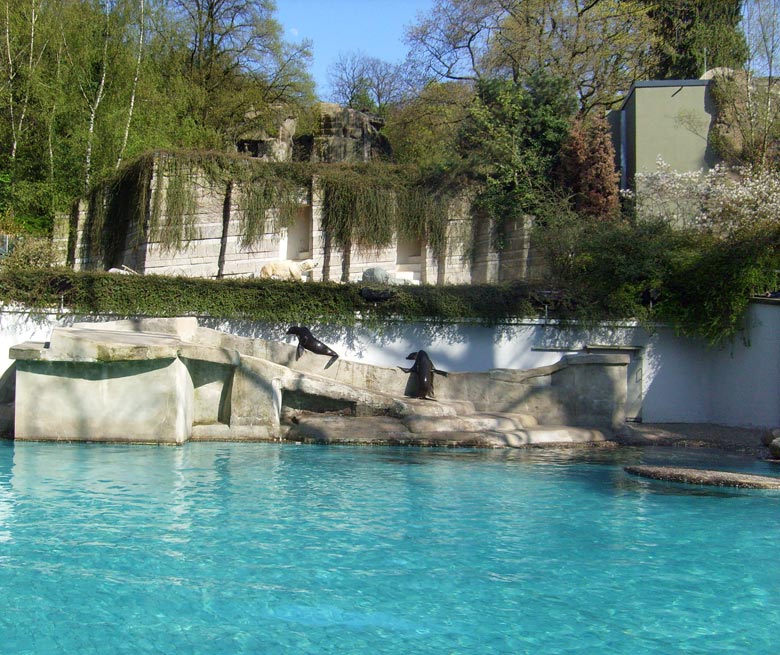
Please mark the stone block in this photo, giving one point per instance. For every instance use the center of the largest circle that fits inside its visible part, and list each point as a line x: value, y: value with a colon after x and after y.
x: 145, y: 401
x: 256, y: 394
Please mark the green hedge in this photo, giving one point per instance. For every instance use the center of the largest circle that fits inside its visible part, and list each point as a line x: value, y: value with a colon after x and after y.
x: 263, y: 300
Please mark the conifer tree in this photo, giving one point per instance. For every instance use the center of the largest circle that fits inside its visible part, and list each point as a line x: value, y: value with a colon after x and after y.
x: 697, y: 35
x: 587, y: 168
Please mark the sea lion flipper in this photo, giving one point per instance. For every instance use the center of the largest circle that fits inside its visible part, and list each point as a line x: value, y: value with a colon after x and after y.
x: 299, y: 351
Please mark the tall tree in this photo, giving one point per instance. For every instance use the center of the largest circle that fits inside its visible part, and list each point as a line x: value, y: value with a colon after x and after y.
x: 423, y: 129
x: 24, y: 46
x: 600, y: 46
x: 510, y: 140
x: 348, y: 80
x: 364, y: 82
x: 237, y: 62
x: 136, y: 76
x: 586, y: 168
x: 693, y: 36
x: 748, y: 127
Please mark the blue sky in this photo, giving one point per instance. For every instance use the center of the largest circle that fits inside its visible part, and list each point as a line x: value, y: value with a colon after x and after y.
x: 375, y: 27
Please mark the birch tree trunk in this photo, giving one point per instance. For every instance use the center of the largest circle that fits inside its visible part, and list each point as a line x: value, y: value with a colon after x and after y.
x: 18, y: 107
x: 139, y: 56
x: 94, y: 106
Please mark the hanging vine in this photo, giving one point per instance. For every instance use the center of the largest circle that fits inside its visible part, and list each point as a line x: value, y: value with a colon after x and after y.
x: 265, y: 194
x: 177, y: 227
x: 114, y: 207
x: 358, y: 209
x: 364, y: 205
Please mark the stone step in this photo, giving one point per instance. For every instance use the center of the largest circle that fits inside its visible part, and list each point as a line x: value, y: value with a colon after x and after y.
x: 383, y: 430
x: 223, y: 432
x: 553, y: 434
x: 471, y: 423
x: 347, y: 430
x: 419, y: 407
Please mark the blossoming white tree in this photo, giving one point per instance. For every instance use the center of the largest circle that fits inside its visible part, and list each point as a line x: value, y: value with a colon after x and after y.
x: 721, y: 201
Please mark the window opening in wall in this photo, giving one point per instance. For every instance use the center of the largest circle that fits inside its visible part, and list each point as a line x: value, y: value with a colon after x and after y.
x: 299, y: 236
x: 408, y: 259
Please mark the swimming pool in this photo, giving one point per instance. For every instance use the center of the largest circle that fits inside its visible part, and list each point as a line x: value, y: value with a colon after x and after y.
x: 268, y: 548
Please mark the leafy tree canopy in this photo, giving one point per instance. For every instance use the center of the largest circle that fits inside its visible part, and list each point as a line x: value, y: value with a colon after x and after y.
x: 510, y: 140
x: 85, y: 84
x: 599, y: 46
x: 693, y: 36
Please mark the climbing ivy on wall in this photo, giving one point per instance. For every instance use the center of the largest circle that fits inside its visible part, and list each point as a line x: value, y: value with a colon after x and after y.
x: 113, y: 206
x: 360, y: 204
x: 364, y: 205
x: 176, y: 226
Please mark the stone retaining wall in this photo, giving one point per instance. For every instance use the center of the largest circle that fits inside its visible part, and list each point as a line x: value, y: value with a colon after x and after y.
x: 216, y: 248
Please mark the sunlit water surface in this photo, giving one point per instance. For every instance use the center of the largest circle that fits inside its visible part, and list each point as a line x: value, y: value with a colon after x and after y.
x: 268, y: 548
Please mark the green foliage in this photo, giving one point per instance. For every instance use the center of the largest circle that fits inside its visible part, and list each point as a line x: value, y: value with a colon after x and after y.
x: 177, y: 227
x: 707, y: 294
x: 600, y: 46
x: 511, y: 139
x: 364, y: 204
x: 692, y: 33
x: 599, y: 270
x: 117, y: 205
x: 653, y: 272
x: 624, y: 267
x: 360, y: 206
x: 29, y: 203
x: 423, y: 130
x: 78, y: 77
x: 260, y: 300
x: 27, y: 253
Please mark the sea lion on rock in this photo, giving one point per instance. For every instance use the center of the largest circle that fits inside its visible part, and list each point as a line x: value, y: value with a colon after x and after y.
x: 306, y: 341
x: 423, y: 369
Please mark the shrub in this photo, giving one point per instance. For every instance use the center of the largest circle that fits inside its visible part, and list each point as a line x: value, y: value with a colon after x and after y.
x: 271, y: 301
x: 27, y: 252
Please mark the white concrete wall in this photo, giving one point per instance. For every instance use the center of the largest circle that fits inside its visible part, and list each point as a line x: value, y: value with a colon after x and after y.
x: 681, y: 381
x: 748, y: 373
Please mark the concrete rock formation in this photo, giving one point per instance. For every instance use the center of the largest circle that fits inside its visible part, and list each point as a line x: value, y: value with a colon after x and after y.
x: 345, y: 135
x: 169, y: 381
x: 348, y: 135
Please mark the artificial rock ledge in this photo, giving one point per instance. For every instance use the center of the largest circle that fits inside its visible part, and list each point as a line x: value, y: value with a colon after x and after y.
x: 170, y: 381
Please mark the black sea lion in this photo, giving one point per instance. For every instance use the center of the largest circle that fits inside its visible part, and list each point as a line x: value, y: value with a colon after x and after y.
x: 423, y: 369
x: 307, y: 342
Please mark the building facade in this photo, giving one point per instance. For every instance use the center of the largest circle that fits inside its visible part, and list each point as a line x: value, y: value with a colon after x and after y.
x: 670, y: 120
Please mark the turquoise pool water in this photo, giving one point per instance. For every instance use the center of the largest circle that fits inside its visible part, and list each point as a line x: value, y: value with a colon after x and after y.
x: 267, y: 548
